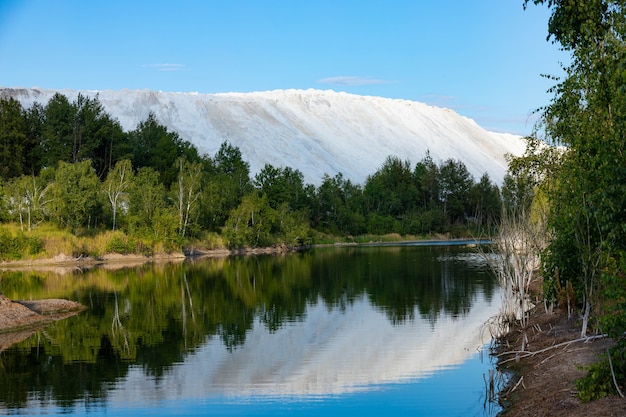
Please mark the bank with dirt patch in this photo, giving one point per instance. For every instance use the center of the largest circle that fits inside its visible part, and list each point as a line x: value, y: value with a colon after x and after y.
x: 544, y: 374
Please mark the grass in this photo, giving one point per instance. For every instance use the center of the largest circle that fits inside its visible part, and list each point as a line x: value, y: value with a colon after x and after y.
x: 49, y: 241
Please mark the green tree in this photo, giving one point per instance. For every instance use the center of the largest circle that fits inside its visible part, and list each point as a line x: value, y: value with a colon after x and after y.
x: 338, y: 206
x: 147, y: 199
x: 187, y: 191
x: 227, y: 183
x: 154, y: 146
x: 32, y: 152
x: 430, y: 216
x: 229, y: 163
x: 391, y: 191
x: 57, y: 137
x: 588, y: 197
x: 76, y: 204
x: 27, y: 197
x: 93, y: 134
x: 282, y: 186
x: 426, y: 177
x: 486, y: 202
x: 286, y: 193
x: 291, y: 228
x: 116, y: 186
x: 455, y: 184
x: 12, y: 138
x: 250, y: 224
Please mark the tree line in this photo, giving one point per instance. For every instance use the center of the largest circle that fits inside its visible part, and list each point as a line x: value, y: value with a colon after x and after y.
x: 70, y: 163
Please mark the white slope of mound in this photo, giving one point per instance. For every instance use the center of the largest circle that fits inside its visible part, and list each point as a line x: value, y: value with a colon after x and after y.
x: 316, y: 132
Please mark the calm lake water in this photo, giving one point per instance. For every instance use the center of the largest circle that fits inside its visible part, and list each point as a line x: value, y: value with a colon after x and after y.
x: 381, y: 330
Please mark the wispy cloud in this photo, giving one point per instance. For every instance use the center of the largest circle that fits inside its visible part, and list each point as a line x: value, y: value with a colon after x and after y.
x: 353, y: 80
x: 440, y: 100
x: 166, y: 67
x: 452, y: 102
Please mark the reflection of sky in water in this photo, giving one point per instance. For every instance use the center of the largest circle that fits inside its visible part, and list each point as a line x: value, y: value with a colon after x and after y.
x: 332, y: 362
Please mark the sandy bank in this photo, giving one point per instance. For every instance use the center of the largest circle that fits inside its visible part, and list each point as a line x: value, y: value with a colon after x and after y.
x: 63, y: 262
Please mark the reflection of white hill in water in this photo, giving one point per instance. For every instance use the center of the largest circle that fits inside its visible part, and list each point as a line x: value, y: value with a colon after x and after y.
x: 331, y: 352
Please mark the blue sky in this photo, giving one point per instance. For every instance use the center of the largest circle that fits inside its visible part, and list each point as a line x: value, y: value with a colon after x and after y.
x: 481, y: 58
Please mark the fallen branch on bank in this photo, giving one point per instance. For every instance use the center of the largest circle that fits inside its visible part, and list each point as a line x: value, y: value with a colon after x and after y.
x: 520, y: 354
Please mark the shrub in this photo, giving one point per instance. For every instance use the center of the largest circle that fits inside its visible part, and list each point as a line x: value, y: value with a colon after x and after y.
x: 14, y: 247
x: 118, y: 243
x: 598, y: 382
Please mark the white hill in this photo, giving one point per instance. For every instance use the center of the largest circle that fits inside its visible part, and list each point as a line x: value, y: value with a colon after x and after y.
x: 316, y: 132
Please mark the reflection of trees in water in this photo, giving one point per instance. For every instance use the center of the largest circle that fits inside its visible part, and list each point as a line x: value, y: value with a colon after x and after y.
x: 154, y: 315
x: 403, y: 281
x: 41, y: 373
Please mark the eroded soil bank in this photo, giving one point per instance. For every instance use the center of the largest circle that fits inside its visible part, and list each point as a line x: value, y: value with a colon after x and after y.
x: 544, y: 377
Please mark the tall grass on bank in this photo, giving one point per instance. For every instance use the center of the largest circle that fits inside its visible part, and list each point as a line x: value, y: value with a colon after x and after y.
x: 48, y: 241
x: 15, y: 244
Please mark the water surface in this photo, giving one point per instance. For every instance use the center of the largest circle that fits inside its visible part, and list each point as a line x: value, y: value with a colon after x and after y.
x: 393, y: 330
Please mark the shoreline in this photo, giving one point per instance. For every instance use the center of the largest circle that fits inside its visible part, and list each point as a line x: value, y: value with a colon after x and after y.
x: 63, y: 260
x: 542, y: 378
x: 192, y: 253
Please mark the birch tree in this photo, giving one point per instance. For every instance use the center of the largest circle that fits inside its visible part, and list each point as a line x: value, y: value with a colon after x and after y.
x: 28, y: 197
x: 188, y: 191
x: 116, y: 186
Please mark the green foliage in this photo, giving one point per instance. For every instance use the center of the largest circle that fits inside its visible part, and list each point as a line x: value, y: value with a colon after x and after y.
x: 282, y: 186
x: 33, y: 131
x: 291, y: 227
x: 154, y: 146
x: 586, y: 187
x: 426, y: 176
x: 391, y: 191
x: 119, y: 179
x: 455, y: 186
x: 598, y: 382
x: 79, y: 131
x: 613, y: 321
x: 485, y: 202
x: 187, y: 192
x: 338, y: 207
x: 13, y: 247
x: 146, y: 199
x: 120, y: 243
x: 12, y: 138
x: 575, y: 24
x: 231, y: 175
x: 250, y: 224
x: 76, y: 188
x: 27, y: 198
